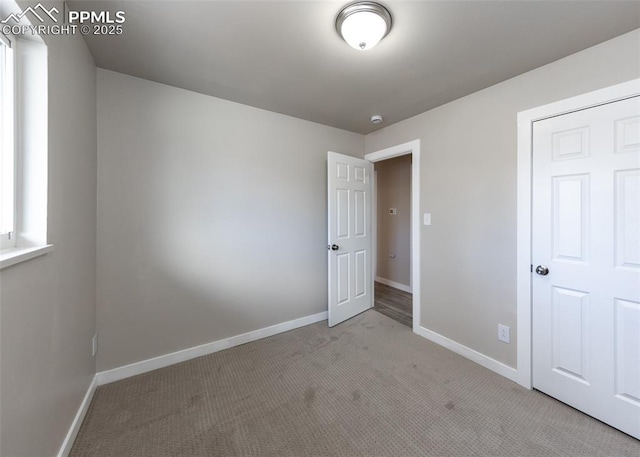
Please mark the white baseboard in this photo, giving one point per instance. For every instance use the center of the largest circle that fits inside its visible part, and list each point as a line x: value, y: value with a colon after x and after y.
x: 116, y: 374
x: 144, y: 366
x: 481, y: 359
x: 77, y: 421
x: 395, y: 285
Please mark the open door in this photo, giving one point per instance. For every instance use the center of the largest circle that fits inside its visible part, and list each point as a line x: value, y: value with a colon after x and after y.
x: 350, y: 240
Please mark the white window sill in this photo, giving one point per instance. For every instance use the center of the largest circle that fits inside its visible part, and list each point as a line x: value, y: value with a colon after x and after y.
x: 13, y: 256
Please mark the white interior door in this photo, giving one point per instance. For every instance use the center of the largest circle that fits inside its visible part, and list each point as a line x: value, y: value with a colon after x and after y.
x: 350, y: 240
x: 586, y: 232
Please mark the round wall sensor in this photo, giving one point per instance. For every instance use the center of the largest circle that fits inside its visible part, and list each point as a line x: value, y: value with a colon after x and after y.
x: 376, y: 119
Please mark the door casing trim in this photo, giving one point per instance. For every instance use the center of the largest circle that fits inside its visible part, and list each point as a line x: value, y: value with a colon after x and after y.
x: 524, y: 206
x: 413, y: 148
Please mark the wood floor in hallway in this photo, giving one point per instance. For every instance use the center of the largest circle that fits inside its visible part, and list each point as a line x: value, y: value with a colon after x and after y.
x: 394, y: 303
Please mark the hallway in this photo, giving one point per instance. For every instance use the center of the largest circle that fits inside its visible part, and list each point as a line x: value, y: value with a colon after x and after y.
x: 394, y: 303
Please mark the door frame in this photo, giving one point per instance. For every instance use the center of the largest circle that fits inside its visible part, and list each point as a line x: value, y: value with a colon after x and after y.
x: 524, y: 207
x: 413, y: 148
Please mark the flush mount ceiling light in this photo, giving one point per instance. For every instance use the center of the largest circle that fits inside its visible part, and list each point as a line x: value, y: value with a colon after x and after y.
x: 363, y: 24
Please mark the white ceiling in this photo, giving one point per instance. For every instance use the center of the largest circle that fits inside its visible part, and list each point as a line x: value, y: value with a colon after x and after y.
x: 285, y: 56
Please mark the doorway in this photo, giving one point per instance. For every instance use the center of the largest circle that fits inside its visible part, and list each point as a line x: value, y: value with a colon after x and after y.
x: 392, y: 269
x: 586, y: 319
x: 401, y: 297
x: 579, y: 165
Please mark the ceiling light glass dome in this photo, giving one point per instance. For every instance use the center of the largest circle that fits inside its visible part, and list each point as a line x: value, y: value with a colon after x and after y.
x: 363, y: 24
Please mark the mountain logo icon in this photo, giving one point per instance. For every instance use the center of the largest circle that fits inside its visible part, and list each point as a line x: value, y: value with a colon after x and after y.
x: 34, y: 11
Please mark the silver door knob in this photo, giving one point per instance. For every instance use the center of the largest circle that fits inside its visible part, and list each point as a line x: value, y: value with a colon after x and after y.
x: 542, y: 270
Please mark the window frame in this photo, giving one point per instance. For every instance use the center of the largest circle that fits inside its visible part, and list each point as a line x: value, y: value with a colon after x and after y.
x: 30, y: 73
x: 8, y: 152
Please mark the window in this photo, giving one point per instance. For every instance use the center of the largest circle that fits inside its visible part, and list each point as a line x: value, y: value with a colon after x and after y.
x: 23, y: 149
x: 7, y: 149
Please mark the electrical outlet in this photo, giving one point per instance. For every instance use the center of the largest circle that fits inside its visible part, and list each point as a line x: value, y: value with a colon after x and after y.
x: 504, y: 333
x: 94, y: 345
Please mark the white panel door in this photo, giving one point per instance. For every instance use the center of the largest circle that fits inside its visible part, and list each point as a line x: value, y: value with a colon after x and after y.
x: 349, y: 215
x: 586, y: 232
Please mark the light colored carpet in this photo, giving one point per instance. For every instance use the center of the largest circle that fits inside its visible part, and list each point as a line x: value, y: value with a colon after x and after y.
x: 368, y: 387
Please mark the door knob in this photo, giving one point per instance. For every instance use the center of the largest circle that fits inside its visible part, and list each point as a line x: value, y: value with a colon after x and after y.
x: 542, y: 270
x: 335, y: 247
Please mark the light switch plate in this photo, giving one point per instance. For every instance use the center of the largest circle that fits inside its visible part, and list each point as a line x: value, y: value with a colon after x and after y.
x: 427, y: 219
x: 393, y: 211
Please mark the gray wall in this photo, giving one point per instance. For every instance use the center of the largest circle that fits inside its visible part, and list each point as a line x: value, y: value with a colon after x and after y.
x: 47, y: 310
x: 468, y: 183
x: 211, y: 218
x: 393, y: 182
